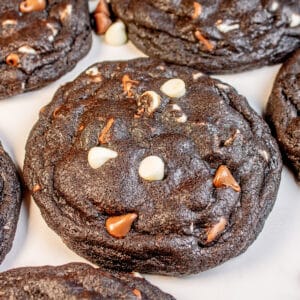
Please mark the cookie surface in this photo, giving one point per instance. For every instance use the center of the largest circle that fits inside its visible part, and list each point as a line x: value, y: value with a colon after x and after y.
x: 283, y: 111
x: 75, y: 281
x: 213, y: 36
x: 10, y: 202
x: 134, y: 179
x: 40, y: 41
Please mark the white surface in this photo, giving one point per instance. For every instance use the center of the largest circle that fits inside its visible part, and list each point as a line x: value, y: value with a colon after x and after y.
x: 270, y: 269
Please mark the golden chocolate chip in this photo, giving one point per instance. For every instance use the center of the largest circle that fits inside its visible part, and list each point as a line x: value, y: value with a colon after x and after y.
x: 120, y: 226
x: 12, y: 60
x: 137, y: 293
x: 56, y: 111
x: 197, y: 10
x: 102, y: 22
x: 128, y: 84
x: 102, y: 17
x: 223, y: 178
x: 103, y: 138
x: 102, y: 7
x: 204, y: 41
x: 36, y: 188
x: 232, y: 138
x: 81, y: 127
x: 28, y: 6
x: 216, y: 230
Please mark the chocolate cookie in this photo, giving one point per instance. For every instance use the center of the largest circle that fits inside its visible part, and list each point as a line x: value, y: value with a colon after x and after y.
x: 213, y: 36
x: 10, y: 202
x: 75, y: 281
x: 40, y: 41
x: 151, y: 167
x: 283, y: 111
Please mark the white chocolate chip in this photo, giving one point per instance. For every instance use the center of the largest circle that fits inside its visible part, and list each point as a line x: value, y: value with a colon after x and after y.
x: 176, y: 107
x: 223, y: 27
x: 9, y: 22
x: 155, y: 103
x: 52, y: 28
x: 26, y: 50
x: 264, y: 154
x: 192, y: 227
x: 94, y: 74
x: 98, y: 156
x: 229, y: 141
x: 182, y: 118
x: 116, y: 34
x: 152, y: 168
x: 66, y: 12
x: 274, y: 6
x: 294, y: 20
x: 174, y: 88
x: 197, y: 75
x: 223, y: 86
x: 151, y: 99
x: 54, y: 32
x: 137, y: 275
x: 162, y: 68
x: 92, y: 71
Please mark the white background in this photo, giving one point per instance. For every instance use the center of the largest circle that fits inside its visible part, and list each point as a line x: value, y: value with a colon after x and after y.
x: 270, y: 268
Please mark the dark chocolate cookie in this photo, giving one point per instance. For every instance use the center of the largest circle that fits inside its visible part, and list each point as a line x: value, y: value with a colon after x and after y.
x: 151, y: 167
x: 75, y: 281
x: 283, y: 111
x: 40, y: 41
x: 213, y: 36
x: 10, y: 202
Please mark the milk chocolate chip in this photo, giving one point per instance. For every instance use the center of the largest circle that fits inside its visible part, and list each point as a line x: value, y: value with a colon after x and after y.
x: 120, y: 226
x: 102, y: 22
x: 197, y: 10
x: 28, y: 6
x: 12, y: 60
x: 223, y: 178
x: 104, y: 135
x: 216, y: 230
x: 128, y: 84
x: 102, y: 7
x: 137, y: 293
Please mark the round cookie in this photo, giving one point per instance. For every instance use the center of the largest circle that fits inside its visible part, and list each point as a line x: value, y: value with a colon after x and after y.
x: 75, y: 281
x: 10, y: 202
x: 283, y: 111
x: 144, y: 166
x: 40, y: 41
x: 213, y: 36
